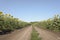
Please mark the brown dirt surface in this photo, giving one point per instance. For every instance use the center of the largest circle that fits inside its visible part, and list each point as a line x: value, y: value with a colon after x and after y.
x: 47, y: 35
x: 22, y: 34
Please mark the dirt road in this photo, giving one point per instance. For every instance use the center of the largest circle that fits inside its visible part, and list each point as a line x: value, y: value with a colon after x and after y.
x: 23, y: 34
x: 47, y: 35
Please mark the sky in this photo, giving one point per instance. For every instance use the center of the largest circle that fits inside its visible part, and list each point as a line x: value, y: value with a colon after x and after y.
x: 30, y: 10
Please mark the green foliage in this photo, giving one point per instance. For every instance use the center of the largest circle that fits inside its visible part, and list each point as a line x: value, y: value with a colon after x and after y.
x: 35, y: 35
x: 51, y: 24
x: 8, y: 22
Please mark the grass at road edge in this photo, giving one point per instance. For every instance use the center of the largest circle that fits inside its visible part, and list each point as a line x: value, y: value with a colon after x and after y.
x: 35, y: 35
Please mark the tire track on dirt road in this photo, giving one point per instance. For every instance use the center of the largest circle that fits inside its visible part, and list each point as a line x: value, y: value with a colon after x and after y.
x: 23, y: 34
x: 47, y: 35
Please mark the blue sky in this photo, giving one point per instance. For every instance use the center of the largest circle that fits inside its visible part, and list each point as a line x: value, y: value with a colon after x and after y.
x: 31, y: 10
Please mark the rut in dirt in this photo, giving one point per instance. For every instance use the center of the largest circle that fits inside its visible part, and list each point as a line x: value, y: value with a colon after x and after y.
x: 47, y: 35
x: 23, y: 34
